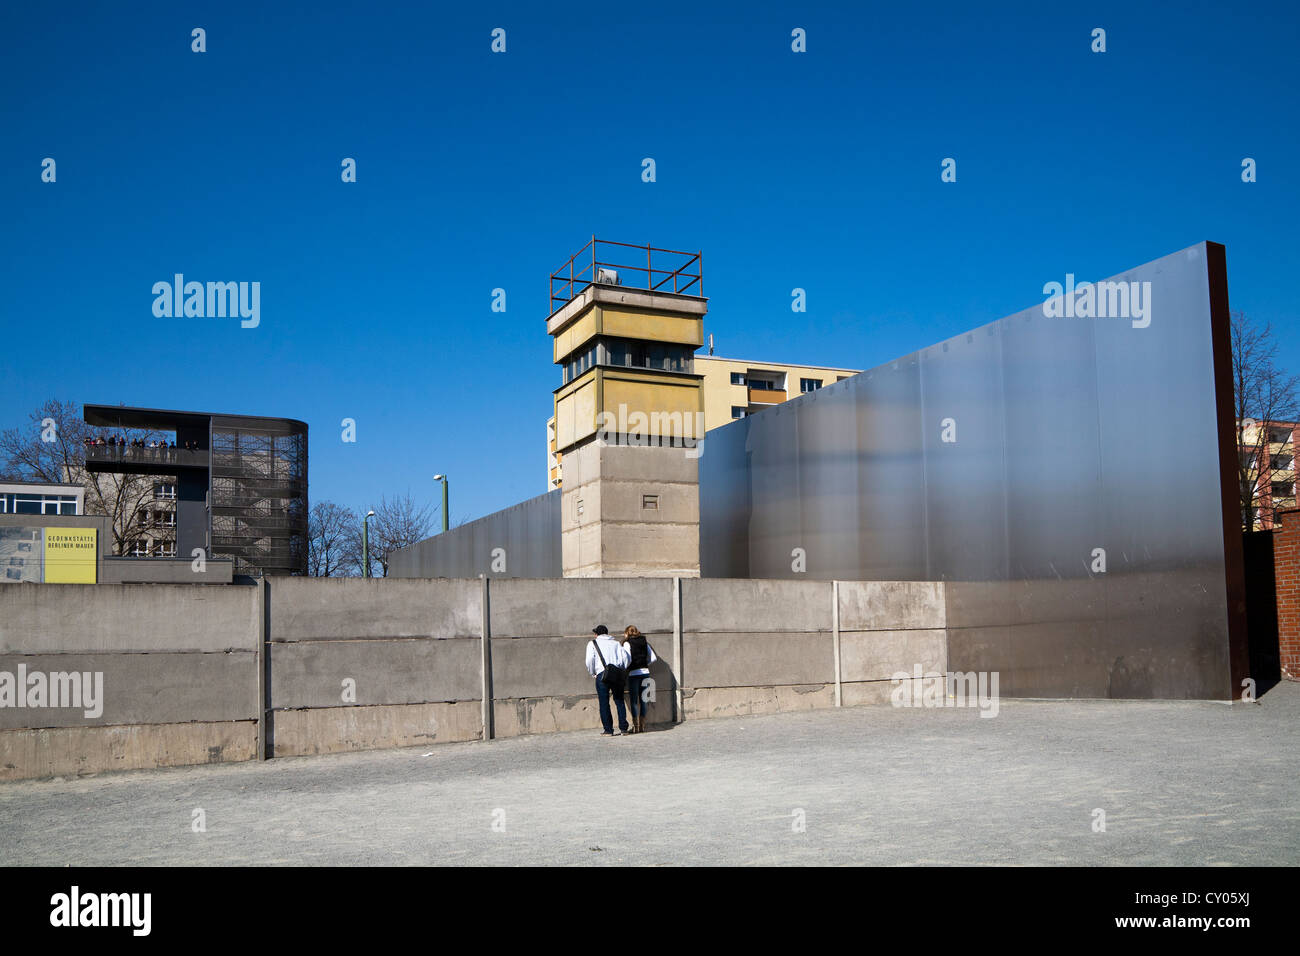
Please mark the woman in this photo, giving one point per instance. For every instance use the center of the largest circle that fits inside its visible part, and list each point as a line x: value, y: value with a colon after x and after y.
x: 638, y: 674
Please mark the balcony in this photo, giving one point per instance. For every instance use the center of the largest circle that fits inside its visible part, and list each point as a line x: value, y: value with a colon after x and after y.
x: 129, y: 459
x: 766, y: 396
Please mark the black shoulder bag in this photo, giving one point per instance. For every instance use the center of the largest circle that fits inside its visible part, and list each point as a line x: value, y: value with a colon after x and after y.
x: 615, y: 677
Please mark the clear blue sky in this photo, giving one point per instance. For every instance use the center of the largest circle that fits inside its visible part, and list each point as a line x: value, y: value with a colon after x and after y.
x: 479, y: 170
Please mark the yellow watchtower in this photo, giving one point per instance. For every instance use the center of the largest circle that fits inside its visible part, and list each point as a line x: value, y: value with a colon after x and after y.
x: 629, y: 413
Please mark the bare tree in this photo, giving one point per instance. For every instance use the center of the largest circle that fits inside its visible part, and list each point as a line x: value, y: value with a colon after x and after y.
x: 332, y: 541
x: 49, y: 448
x: 398, y: 523
x: 52, y: 448
x: 1265, y: 409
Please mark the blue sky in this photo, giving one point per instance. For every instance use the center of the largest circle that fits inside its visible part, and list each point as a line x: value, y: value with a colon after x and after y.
x: 478, y: 170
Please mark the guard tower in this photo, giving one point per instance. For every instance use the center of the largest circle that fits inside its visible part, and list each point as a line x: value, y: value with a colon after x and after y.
x: 625, y: 322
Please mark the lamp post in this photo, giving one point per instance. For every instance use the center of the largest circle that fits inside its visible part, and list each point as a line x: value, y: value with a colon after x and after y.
x: 365, y: 544
x: 443, y: 479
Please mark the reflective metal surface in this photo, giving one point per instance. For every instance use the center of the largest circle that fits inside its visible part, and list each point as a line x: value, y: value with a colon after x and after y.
x: 1013, y: 461
x: 526, y: 537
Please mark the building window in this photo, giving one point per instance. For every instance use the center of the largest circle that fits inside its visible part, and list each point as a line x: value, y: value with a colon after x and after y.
x: 661, y: 356
x: 165, y: 549
x: 164, y: 519
x: 809, y: 384
x: 1283, y: 489
x: 650, y: 502
x: 737, y: 378
x: 24, y: 504
x: 766, y: 381
x: 138, y: 548
x: 738, y: 411
x: 163, y: 491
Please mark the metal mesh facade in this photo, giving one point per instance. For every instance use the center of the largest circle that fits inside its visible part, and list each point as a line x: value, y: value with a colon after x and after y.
x: 259, y: 495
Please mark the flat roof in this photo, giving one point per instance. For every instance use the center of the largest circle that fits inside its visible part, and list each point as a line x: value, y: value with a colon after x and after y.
x: 41, y: 484
x: 123, y: 416
x: 822, y: 368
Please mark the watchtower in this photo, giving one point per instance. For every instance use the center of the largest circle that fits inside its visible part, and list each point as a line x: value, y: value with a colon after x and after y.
x: 625, y: 322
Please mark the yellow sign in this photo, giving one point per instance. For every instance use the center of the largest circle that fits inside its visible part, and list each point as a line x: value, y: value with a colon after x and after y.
x: 71, y: 555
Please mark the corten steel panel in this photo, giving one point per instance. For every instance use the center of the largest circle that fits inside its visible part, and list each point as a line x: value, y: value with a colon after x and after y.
x: 1071, y: 437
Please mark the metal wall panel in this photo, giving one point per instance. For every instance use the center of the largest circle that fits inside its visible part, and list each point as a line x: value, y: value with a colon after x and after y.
x: 529, y: 534
x: 1065, y: 438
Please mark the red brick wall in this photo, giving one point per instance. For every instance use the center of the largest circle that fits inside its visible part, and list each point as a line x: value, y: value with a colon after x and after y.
x: 1286, y: 568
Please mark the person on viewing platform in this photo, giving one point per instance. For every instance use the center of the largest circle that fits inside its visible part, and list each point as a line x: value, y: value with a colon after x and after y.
x: 607, y: 662
x: 640, y: 656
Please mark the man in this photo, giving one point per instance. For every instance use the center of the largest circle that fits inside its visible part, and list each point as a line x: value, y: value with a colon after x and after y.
x: 615, y: 655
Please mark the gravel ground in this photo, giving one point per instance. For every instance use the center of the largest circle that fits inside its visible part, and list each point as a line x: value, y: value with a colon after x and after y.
x: 1180, y: 784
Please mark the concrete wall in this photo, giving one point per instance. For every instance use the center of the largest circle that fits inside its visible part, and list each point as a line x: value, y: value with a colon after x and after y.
x: 352, y: 664
x: 178, y: 667
x: 540, y: 631
x: 125, y: 570
x: 357, y: 663
x: 754, y: 646
x: 757, y: 646
x: 607, y: 528
x: 887, y: 627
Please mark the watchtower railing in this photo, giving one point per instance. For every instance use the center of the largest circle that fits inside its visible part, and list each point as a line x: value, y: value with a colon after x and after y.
x: 595, y: 264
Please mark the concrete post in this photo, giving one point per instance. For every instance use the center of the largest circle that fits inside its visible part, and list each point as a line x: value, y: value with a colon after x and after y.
x: 487, y: 661
x: 262, y: 611
x: 835, y: 640
x: 677, y: 648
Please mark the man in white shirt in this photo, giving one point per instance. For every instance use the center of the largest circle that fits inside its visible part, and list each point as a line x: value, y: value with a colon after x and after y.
x: 615, y: 655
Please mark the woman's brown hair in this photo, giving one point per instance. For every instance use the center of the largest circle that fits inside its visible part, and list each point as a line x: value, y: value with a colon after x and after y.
x: 629, y: 632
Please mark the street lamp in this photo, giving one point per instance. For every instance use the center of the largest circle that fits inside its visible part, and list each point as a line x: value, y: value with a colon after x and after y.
x: 443, y: 479
x: 365, y: 543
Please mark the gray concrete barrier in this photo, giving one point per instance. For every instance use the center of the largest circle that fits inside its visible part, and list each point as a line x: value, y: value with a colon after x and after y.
x: 308, y: 666
x: 101, y: 677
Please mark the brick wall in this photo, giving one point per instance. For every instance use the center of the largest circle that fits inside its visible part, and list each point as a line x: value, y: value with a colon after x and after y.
x: 1286, y: 564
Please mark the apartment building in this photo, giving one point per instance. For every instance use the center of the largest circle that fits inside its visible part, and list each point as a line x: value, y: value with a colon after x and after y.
x: 732, y: 389
x: 1267, y: 451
